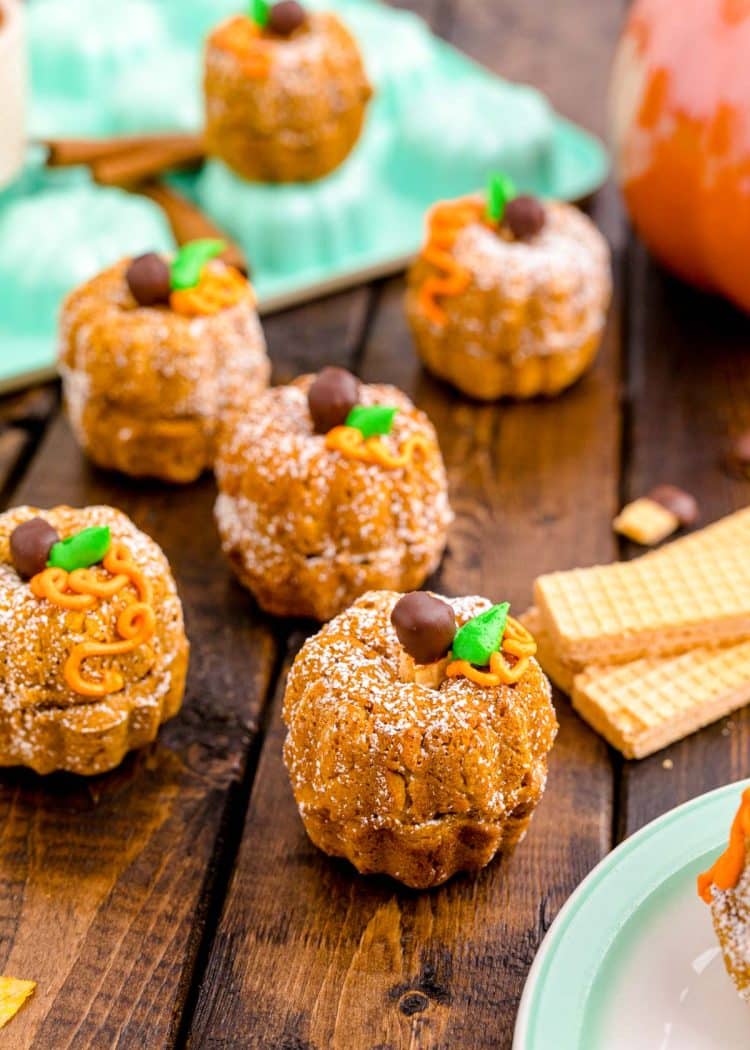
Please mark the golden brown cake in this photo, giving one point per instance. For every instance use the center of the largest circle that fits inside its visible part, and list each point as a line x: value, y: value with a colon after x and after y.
x: 405, y: 759
x: 726, y: 888
x: 149, y: 370
x: 512, y: 306
x: 285, y: 100
x: 312, y: 513
x: 93, y: 653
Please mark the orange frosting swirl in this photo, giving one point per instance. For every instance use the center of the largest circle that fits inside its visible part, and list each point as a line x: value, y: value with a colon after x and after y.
x: 725, y: 872
x: 82, y: 589
x: 351, y: 442
x: 243, y: 38
x: 217, y: 289
x: 444, y: 225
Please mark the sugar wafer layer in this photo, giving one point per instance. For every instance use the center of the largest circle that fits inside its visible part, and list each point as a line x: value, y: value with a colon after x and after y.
x: 552, y: 666
x: 694, y: 592
x: 645, y: 705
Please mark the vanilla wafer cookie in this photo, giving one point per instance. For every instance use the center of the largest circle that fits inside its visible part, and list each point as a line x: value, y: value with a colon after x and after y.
x: 546, y: 656
x: 645, y: 705
x: 694, y: 592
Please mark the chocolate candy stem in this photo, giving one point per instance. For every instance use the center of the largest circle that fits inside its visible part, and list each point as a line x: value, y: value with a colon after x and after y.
x: 425, y: 626
x: 148, y: 279
x: 524, y: 216
x: 331, y: 397
x: 286, y: 17
x: 30, y: 544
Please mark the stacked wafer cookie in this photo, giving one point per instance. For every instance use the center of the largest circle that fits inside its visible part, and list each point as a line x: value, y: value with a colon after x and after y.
x: 653, y: 649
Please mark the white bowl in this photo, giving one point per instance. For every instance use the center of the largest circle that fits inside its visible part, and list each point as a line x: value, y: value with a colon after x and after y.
x: 12, y: 90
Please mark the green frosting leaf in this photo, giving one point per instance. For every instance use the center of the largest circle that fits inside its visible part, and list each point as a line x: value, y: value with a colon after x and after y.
x: 259, y: 12
x: 185, y: 271
x: 479, y: 638
x: 371, y: 419
x: 81, y: 550
x: 500, y: 190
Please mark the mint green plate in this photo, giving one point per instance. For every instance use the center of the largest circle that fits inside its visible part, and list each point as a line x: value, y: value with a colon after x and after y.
x: 631, y: 961
x: 437, y: 126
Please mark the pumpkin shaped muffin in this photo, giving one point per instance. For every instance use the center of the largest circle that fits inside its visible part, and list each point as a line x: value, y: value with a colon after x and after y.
x: 153, y: 353
x: 509, y: 295
x: 329, y: 488
x: 725, y: 887
x: 93, y: 653
x: 286, y: 93
x: 418, y: 733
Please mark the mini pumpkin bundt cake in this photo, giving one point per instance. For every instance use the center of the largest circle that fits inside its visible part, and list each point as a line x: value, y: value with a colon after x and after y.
x: 418, y: 733
x: 726, y: 888
x: 286, y: 93
x: 153, y: 354
x: 93, y: 652
x: 509, y: 295
x: 329, y: 488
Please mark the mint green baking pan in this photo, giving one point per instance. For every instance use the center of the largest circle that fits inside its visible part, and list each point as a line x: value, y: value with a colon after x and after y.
x: 437, y: 126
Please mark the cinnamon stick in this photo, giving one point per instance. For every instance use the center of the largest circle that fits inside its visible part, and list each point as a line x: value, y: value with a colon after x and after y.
x: 189, y: 223
x: 66, y: 152
x: 139, y: 164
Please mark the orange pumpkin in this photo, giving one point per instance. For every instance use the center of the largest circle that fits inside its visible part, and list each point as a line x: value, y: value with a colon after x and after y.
x: 681, y: 125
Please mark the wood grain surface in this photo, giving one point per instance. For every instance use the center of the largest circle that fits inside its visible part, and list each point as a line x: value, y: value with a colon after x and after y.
x: 177, y: 901
x: 688, y: 392
x: 307, y: 955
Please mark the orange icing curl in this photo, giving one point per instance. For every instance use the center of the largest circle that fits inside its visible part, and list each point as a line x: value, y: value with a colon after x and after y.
x: 351, y: 442
x: 81, y: 589
x: 725, y: 872
x: 517, y: 642
x: 216, y: 290
x: 445, y: 223
x: 242, y: 37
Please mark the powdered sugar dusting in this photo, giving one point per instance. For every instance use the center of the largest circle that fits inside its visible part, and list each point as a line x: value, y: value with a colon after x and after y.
x: 313, y: 68
x: 730, y: 910
x: 37, y: 636
x: 304, y: 523
x: 369, y: 754
x: 154, y: 363
x: 559, y: 282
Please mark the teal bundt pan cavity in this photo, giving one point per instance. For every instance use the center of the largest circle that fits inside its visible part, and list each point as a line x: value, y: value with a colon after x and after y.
x: 438, y: 124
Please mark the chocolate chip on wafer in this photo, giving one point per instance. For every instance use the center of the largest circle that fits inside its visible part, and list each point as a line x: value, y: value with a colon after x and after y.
x: 737, y: 456
x: 681, y: 503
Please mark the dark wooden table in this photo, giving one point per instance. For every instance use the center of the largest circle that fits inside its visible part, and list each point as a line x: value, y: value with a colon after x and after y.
x: 177, y: 901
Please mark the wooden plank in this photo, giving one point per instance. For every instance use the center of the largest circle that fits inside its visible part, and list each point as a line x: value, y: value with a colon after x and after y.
x: 30, y: 408
x: 327, y: 332
x: 102, y: 881
x: 14, y: 444
x: 307, y: 954
x: 689, y: 387
x: 307, y: 951
x: 106, y: 885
